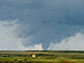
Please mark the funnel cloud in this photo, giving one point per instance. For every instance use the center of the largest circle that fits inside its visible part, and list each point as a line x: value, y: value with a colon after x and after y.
x: 43, y: 21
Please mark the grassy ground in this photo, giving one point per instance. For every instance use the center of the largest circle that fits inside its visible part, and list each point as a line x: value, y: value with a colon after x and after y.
x: 42, y: 57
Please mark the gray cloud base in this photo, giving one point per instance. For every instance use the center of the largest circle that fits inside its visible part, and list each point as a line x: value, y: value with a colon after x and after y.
x: 44, y: 21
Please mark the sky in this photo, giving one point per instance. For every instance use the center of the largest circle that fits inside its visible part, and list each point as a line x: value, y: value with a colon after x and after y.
x: 41, y: 24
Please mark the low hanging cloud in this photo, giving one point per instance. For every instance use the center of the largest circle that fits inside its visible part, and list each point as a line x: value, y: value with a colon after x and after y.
x: 43, y: 21
x: 71, y: 43
x: 9, y: 42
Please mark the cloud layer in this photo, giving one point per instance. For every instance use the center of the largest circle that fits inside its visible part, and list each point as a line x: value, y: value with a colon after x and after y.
x: 43, y: 21
x: 10, y: 42
x: 72, y: 43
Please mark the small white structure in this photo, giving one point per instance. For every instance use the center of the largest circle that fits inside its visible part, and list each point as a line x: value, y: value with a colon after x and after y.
x: 33, y: 56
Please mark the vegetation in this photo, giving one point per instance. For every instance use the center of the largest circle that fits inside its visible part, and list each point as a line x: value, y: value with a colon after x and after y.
x: 42, y: 56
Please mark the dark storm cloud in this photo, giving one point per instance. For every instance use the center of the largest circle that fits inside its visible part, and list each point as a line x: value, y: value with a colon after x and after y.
x: 7, y: 25
x: 44, y: 21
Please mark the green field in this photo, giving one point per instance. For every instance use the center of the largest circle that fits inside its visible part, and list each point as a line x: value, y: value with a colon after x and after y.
x: 42, y: 56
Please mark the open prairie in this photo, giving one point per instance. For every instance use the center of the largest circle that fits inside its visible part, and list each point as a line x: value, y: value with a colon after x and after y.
x: 42, y: 56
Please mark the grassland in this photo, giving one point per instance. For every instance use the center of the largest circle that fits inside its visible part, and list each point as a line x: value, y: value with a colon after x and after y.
x: 42, y: 57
